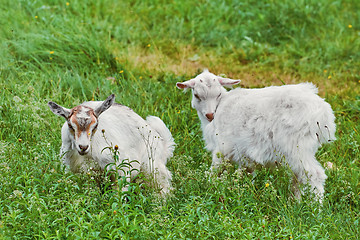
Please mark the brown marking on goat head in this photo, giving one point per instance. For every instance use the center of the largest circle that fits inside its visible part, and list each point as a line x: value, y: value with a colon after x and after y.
x: 83, y: 118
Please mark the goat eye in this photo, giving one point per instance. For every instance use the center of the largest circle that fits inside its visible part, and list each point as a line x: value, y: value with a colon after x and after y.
x: 70, y: 127
x: 197, y: 97
x: 95, y: 127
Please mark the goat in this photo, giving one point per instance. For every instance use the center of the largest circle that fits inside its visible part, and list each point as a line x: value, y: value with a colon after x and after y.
x: 148, y: 142
x: 264, y: 126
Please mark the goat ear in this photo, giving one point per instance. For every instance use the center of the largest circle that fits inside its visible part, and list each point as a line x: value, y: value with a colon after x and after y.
x: 59, y: 110
x: 185, y: 85
x: 228, y: 81
x: 105, y: 105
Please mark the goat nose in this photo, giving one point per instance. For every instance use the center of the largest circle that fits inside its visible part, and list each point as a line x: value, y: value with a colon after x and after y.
x: 83, y: 147
x: 209, y: 116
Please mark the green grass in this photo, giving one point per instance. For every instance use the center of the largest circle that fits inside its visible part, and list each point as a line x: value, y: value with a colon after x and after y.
x: 138, y: 50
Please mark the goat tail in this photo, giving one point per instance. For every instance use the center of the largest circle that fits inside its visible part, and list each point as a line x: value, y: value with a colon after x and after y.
x: 159, y: 126
x: 325, y: 127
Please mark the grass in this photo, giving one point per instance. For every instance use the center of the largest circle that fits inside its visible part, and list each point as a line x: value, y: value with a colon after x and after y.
x: 74, y: 51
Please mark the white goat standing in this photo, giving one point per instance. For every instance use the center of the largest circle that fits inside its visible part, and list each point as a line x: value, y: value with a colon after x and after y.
x: 264, y: 126
x: 92, y: 126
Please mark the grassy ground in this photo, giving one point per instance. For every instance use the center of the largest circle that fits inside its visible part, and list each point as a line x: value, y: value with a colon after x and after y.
x: 74, y: 51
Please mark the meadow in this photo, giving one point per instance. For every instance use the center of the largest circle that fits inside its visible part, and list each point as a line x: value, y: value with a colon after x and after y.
x: 79, y: 50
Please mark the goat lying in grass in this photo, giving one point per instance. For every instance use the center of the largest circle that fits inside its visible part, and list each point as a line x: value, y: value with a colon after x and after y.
x: 92, y: 126
x: 264, y: 126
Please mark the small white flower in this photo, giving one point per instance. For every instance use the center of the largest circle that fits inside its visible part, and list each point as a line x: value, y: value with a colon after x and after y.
x: 17, y: 193
x: 329, y: 165
x: 17, y: 99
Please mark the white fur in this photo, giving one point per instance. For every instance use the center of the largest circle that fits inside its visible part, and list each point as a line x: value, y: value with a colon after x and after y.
x: 264, y: 126
x: 148, y: 142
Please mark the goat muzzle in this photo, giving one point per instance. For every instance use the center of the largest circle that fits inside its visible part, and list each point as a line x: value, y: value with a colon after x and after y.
x: 83, y: 149
x: 209, y: 116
